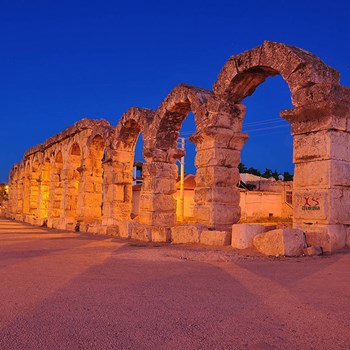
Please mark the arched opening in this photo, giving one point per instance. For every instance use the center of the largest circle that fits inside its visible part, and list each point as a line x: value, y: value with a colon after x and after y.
x: 169, y: 119
x: 186, y: 183
x: 72, y: 181
x: 92, y: 209
x: 137, y: 175
x: 45, y: 189
x: 34, y: 188
x: 318, y: 118
x: 57, y: 189
x: 266, y: 166
x: 123, y: 195
x: 130, y: 188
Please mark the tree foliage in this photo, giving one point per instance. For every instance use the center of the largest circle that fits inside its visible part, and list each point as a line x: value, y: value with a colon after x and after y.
x: 268, y: 173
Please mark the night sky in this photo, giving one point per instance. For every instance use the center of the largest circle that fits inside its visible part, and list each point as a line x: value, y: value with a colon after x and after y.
x: 63, y: 60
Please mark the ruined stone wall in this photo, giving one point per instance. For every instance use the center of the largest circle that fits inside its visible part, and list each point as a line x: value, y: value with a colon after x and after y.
x: 60, y: 183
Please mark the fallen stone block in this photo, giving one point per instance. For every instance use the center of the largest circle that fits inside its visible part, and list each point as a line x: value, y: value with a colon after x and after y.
x: 243, y: 234
x: 219, y: 238
x: 329, y: 237
x: 287, y: 242
x: 313, y: 251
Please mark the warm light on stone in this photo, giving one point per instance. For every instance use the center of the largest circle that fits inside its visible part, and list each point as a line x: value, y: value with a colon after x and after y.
x: 81, y: 179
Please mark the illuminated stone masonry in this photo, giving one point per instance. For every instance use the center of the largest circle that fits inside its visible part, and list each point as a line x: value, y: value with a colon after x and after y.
x: 81, y: 179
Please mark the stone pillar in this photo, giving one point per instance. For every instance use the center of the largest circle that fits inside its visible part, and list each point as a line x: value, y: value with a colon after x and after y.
x: 90, y: 196
x: 321, y: 190
x: 117, y: 188
x: 44, y: 192
x: 216, y: 194
x: 34, y: 196
x: 56, y: 194
x: 26, y: 193
x: 69, y: 203
x: 157, y: 204
x: 20, y: 194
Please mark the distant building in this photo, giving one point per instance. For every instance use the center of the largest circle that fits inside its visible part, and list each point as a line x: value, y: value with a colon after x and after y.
x: 259, y: 197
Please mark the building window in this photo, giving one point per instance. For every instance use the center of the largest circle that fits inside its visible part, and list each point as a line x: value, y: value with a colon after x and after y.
x: 289, y: 197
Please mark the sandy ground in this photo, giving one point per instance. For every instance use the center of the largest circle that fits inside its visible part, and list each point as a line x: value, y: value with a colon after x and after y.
x: 64, y: 290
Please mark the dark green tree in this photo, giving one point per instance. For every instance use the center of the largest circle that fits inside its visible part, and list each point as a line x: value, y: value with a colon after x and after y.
x: 287, y: 176
x: 254, y: 171
x: 267, y: 173
x: 275, y: 174
x: 242, y: 168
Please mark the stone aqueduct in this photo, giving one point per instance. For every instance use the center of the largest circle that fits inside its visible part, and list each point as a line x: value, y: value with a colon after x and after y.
x: 83, y: 176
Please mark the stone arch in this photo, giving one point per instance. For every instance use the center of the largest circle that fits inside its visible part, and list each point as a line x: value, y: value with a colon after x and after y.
x: 300, y: 69
x: 174, y: 109
x: 118, y: 168
x: 216, y: 121
x: 318, y: 121
x: 72, y: 169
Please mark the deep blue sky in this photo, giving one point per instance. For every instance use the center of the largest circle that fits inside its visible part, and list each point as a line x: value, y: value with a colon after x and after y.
x: 63, y: 60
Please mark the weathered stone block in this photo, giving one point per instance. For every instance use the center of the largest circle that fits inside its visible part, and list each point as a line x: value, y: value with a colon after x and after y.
x: 205, y: 195
x: 141, y: 233
x: 217, y: 176
x: 160, y: 234
x: 288, y: 242
x: 327, y: 115
x: 124, y: 229
x: 315, y: 73
x: 243, y: 234
x: 227, y: 120
x: 329, y: 237
x: 186, y: 233
x: 310, y: 205
x: 160, y: 170
x: 164, y: 218
x: 159, y: 185
x: 157, y: 202
x: 217, y: 157
x: 217, y: 214
x: 98, y: 229
x: 218, y: 137
x: 120, y: 211
x: 216, y: 238
x: 313, y: 251
x: 322, y: 145
x: 321, y: 92
x: 315, y: 174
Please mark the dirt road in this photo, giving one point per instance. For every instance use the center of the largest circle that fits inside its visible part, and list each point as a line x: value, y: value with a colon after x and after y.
x: 62, y: 290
